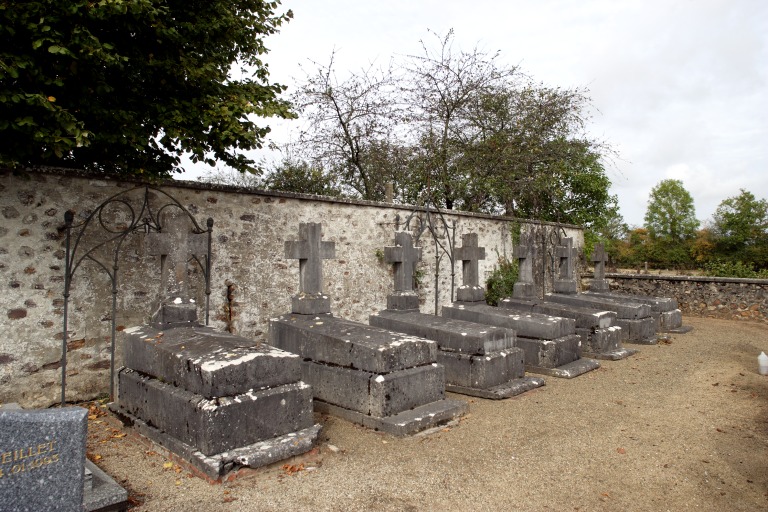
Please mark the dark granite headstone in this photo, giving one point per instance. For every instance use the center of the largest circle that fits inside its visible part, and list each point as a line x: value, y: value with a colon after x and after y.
x: 42, y: 459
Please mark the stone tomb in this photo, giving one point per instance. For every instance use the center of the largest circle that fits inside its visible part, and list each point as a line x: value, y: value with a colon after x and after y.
x: 550, y: 344
x: 599, y: 337
x: 371, y: 376
x: 479, y: 360
x: 43, y: 464
x: 600, y: 334
x: 667, y: 316
x: 217, y: 400
x: 637, y: 324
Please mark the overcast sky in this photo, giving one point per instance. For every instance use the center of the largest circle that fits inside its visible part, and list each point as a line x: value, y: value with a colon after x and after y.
x: 681, y: 86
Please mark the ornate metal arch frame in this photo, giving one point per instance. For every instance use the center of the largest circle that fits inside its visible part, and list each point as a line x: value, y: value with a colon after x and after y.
x: 146, y: 218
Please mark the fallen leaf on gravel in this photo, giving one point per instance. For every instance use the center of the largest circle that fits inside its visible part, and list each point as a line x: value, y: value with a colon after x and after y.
x: 228, y: 499
x: 605, y: 494
x: 621, y: 450
x: 718, y: 430
x: 119, y: 436
x: 716, y: 384
x: 178, y: 482
x: 291, y: 469
x: 167, y: 465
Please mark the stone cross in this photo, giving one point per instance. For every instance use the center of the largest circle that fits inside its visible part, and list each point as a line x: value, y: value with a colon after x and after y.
x: 470, y: 255
x: 524, y: 252
x: 404, y: 256
x: 176, y: 245
x: 599, y: 258
x: 565, y: 282
x: 310, y: 250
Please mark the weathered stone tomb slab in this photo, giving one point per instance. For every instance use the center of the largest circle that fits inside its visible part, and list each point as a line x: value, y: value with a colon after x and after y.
x: 367, y: 374
x: 206, y: 362
x: 664, y: 310
x: 550, y: 344
x: 479, y: 360
x: 600, y: 338
x: 635, y: 320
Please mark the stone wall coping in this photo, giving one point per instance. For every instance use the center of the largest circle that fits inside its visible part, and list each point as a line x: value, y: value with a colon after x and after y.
x: 215, y: 187
x: 693, y: 279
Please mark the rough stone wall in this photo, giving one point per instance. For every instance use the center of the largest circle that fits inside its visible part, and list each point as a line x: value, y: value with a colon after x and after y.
x: 251, y: 279
x: 730, y: 298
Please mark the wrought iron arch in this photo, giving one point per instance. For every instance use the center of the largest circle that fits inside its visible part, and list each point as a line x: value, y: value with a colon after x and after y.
x: 145, y: 218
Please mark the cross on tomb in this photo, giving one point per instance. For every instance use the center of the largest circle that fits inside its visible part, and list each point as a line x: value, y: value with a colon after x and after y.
x: 565, y: 254
x: 524, y: 254
x: 599, y: 258
x: 404, y: 256
x: 176, y: 244
x: 470, y: 255
x: 523, y: 251
x: 565, y: 282
x: 310, y: 250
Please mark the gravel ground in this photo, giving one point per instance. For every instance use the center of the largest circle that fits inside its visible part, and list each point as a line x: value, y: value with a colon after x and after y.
x: 682, y: 425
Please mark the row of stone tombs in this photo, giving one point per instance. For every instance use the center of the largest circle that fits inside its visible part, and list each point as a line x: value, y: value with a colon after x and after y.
x: 223, y: 402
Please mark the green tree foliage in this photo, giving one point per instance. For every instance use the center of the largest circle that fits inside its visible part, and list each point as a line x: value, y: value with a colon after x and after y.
x: 127, y: 86
x: 740, y: 229
x: 670, y: 216
x: 301, y: 177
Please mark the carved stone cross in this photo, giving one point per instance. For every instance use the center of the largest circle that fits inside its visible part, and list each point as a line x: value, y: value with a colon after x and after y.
x: 599, y: 258
x: 404, y: 256
x: 310, y: 250
x: 524, y: 252
x: 470, y: 255
x: 565, y: 282
x: 176, y: 244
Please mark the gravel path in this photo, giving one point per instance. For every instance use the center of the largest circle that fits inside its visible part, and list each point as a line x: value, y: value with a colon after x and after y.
x: 680, y: 426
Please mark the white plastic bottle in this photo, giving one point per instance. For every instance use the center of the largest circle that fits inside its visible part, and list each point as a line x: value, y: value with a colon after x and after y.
x: 762, y: 363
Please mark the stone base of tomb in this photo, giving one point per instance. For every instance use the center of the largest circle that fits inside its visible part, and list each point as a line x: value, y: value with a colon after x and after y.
x: 494, y: 376
x: 641, y: 331
x: 560, y: 357
x: 603, y: 343
x: 215, y: 466
x: 368, y: 375
x: 568, y: 370
x: 509, y: 389
x: 405, y: 423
